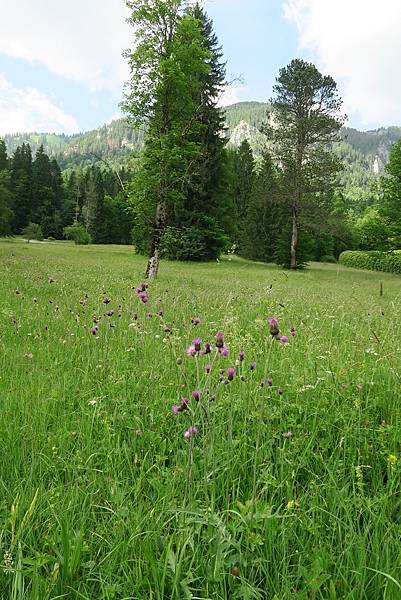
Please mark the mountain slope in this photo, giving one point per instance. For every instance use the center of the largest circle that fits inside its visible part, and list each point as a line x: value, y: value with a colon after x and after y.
x: 365, y: 153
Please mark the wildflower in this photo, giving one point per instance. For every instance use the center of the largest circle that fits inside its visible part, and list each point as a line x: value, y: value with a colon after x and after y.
x: 224, y: 351
x: 196, y: 395
x: 197, y: 343
x: 92, y: 402
x: 191, y: 351
x: 283, y: 339
x: 166, y: 329
x: 106, y: 300
x: 143, y: 297
x: 175, y: 409
x: 241, y: 356
x: 196, y: 321
x: 269, y: 381
x: 207, y: 349
x: 193, y: 430
x: 293, y: 332
x: 392, y: 460
x: 291, y: 504
x: 110, y: 313
x: 51, y: 280
x: 230, y: 373
x: 28, y: 355
x: 288, y: 434
x: 280, y: 391
x: 273, y: 326
x: 208, y: 368
x: 252, y: 366
x: 219, y: 339
x: 94, y: 330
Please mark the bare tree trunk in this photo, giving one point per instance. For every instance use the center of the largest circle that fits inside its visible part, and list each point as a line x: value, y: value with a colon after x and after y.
x: 294, y: 239
x: 154, y: 254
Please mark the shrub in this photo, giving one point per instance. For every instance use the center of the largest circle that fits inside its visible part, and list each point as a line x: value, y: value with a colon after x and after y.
x: 390, y: 262
x: 33, y: 231
x: 77, y: 233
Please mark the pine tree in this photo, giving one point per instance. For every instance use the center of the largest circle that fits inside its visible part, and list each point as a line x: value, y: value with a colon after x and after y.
x: 305, y: 120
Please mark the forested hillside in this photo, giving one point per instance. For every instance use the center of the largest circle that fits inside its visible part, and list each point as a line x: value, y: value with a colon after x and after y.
x: 365, y: 152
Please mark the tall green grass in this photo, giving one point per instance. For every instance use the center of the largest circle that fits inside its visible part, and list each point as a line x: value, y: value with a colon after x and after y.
x: 102, y: 496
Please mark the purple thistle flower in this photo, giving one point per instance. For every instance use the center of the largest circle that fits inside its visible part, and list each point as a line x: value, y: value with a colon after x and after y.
x: 241, y: 356
x: 197, y: 343
x: 193, y: 430
x: 208, y: 368
x: 293, y: 332
x: 184, y: 403
x: 207, y: 349
x: 94, y: 330
x: 110, y: 313
x: 273, y: 326
x: 280, y: 391
x: 196, y: 321
x: 269, y: 381
x: 106, y: 300
x: 224, y: 351
x: 252, y: 366
x: 143, y: 297
x: 283, y: 339
x: 175, y: 409
x: 230, y: 373
x: 288, y: 434
x: 196, y: 395
x: 219, y: 339
x: 191, y: 351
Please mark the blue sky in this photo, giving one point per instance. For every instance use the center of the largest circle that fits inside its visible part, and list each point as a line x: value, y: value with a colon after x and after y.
x: 61, y: 67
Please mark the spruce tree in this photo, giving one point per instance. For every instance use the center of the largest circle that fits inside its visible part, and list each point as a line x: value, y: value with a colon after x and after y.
x: 3, y: 156
x: 166, y: 69
x: 21, y: 186
x: 391, y: 204
x: 264, y: 214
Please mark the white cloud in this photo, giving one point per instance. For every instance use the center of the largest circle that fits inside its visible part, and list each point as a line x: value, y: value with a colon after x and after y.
x: 79, y: 40
x: 231, y: 95
x: 358, y: 43
x: 24, y: 110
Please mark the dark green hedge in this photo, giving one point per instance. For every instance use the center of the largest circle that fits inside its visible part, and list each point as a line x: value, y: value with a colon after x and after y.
x: 373, y: 260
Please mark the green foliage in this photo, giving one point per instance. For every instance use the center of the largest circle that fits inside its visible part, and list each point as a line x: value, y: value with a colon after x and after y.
x: 305, y: 120
x: 6, y: 204
x: 201, y: 242
x: 328, y: 258
x: 264, y: 214
x: 389, y: 262
x: 390, y: 207
x: 78, y: 233
x: 282, y: 250
x: 373, y: 230
x: 33, y: 231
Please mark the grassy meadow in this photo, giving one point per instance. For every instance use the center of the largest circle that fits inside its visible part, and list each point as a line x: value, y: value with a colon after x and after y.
x: 287, y: 482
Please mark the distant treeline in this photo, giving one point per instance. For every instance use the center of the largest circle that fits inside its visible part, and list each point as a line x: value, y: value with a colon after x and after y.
x: 34, y: 190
